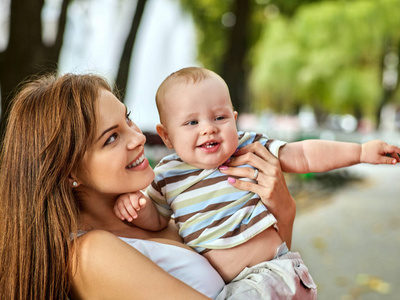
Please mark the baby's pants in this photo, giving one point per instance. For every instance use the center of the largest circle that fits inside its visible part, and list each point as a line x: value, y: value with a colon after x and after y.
x: 284, y: 277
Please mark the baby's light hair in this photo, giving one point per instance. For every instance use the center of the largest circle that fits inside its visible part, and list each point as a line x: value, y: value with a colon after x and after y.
x: 185, y: 75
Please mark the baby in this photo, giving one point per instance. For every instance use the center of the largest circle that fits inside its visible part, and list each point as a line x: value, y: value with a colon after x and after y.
x: 230, y: 227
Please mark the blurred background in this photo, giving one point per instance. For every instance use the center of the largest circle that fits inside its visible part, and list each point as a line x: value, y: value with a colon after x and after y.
x: 295, y: 70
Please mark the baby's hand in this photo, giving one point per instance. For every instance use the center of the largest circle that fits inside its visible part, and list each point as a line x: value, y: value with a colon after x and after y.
x: 126, y: 206
x: 378, y: 152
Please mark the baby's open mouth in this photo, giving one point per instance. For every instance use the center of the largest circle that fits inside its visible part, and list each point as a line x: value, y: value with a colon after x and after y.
x: 209, y: 145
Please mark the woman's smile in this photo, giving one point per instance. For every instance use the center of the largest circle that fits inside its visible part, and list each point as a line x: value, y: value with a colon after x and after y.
x: 139, y: 164
x: 136, y: 162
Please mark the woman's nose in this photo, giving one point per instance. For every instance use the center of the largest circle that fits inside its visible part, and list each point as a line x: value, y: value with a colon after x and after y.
x: 135, y: 140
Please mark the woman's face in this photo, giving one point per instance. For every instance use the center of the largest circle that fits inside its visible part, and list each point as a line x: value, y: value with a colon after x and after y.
x: 115, y: 162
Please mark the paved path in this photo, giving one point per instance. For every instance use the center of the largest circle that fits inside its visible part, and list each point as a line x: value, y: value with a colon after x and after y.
x: 352, y: 244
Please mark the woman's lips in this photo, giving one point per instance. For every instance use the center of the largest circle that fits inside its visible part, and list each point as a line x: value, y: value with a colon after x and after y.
x: 136, y: 162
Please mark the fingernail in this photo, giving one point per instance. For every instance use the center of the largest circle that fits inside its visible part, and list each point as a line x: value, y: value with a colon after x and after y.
x: 223, y: 167
x: 231, y: 180
x: 228, y: 161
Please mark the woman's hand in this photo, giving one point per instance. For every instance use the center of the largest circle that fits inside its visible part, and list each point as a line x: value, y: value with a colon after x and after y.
x: 270, y: 184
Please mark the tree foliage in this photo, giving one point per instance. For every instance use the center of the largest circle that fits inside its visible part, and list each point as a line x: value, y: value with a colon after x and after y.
x: 330, y: 55
x: 227, y: 32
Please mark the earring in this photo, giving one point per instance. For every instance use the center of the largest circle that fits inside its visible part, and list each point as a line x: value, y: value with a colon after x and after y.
x: 74, y: 184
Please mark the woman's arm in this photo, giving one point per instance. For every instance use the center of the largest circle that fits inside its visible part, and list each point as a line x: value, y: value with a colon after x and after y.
x: 270, y: 186
x: 107, y: 268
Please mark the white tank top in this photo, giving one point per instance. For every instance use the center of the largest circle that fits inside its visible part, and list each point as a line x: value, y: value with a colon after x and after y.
x: 188, y: 266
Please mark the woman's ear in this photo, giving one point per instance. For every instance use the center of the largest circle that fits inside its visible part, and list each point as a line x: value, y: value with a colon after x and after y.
x: 163, y: 133
x: 73, y: 182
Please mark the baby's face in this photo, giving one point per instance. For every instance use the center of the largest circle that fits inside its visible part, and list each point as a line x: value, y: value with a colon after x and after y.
x: 201, y: 122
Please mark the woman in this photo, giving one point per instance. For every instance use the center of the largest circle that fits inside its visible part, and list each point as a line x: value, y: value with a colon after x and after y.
x: 69, y: 150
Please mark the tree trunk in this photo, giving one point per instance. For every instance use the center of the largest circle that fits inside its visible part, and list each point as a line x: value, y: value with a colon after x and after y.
x: 26, y: 54
x: 125, y: 61
x: 234, y: 69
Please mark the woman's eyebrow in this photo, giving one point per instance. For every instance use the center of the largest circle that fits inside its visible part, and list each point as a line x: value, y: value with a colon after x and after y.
x: 112, y: 127
x: 107, y: 130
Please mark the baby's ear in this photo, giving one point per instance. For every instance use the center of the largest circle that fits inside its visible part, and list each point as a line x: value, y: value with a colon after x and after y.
x: 163, y: 133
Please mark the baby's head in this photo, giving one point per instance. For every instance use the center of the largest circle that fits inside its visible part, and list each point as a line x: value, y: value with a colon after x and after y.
x: 197, y: 117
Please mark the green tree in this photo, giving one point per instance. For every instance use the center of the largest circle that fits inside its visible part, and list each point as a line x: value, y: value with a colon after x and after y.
x: 223, y: 29
x: 227, y: 32
x: 329, y: 55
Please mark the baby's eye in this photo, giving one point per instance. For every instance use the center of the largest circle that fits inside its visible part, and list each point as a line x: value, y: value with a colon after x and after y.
x: 220, y: 118
x: 128, y: 118
x: 192, y: 123
x: 111, y: 139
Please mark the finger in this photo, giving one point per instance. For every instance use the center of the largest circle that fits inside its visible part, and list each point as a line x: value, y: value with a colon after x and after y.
x: 389, y: 159
x: 118, y: 214
x: 238, y: 172
x: 133, y: 203
x: 132, y: 213
x: 124, y: 212
x: 248, y: 158
x: 261, y: 159
x: 394, y: 152
x: 258, y: 149
x: 271, y: 168
x: 263, y: 191
x: 142, y: 202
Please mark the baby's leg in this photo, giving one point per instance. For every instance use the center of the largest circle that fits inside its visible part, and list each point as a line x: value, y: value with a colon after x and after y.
x: 284, y: 277
x: 230, y: 262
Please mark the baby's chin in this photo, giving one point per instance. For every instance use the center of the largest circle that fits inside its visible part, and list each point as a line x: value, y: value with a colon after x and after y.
x: 206, y: 162
x: 207, y: 166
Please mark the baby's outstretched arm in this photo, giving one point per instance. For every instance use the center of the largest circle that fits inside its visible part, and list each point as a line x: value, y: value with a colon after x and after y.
x: 140, y: 210
x: 320, y: 156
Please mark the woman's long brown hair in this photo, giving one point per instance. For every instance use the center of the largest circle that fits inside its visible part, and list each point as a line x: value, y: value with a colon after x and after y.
x: 51, y: 124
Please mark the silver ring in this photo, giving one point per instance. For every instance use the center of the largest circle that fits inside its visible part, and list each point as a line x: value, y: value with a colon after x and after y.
x: 255, y: 175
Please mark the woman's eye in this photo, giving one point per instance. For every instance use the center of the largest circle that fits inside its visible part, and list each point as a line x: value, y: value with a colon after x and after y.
x: 128, y: 118
x: 111, y: 139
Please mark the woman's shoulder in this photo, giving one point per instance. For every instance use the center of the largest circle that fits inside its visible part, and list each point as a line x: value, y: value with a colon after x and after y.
x: 90, y: 245
x: 95, y: 246
x: 97, y: 255
x: 94, y: 238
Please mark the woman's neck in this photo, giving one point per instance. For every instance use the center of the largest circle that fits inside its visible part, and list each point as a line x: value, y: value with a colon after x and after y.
x: 99, y: 214
x: 96, y: 212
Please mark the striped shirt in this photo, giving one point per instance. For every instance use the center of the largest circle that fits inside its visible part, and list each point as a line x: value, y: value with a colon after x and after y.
x: 209, y: 212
